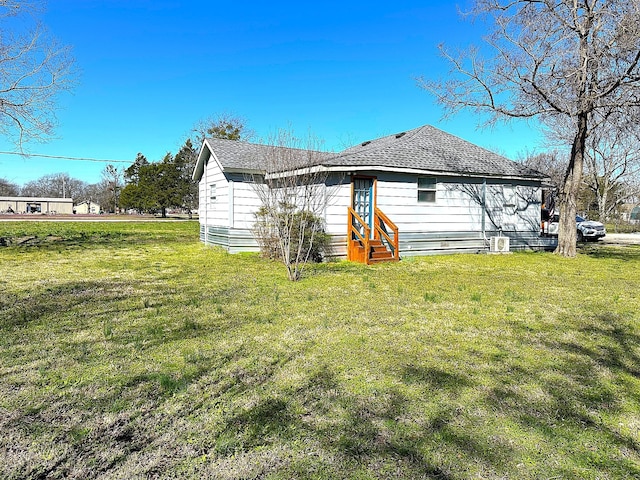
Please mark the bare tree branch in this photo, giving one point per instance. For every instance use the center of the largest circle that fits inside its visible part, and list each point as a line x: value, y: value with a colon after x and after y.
x: 34, y: 71
x: 293, y: 194
x: 572, y: 63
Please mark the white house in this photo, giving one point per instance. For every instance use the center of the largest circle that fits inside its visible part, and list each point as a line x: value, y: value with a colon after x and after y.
x: 87, y: 207
x: 418, y: 192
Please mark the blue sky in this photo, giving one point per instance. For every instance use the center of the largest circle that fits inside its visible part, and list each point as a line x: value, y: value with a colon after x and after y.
x: 345, y: 71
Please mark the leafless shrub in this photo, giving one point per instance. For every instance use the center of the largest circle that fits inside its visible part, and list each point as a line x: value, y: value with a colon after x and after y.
x: 293, y: 195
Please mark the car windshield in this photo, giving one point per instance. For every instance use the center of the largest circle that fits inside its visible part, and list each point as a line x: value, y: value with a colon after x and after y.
x: 579, y: 219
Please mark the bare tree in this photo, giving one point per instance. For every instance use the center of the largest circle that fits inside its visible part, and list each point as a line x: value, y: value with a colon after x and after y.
x: 112, y: 185
x: 612, y: 164
x: 8, y: 189
x: 557, y: 60
x: 34, y: 70
x: 552, y: 163
x: 225, y: 125
x: 611, y: 175
x: 293, y: 194
x: 94, y: 194
x: 55, y: 185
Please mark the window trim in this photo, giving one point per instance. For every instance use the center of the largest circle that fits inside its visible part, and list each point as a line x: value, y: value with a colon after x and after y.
x: 432, y: 188
x: 213, y: 192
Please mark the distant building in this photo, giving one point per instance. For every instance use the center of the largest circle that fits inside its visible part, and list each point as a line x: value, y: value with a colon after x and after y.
x: 84, y: 208
x: 36, y: 205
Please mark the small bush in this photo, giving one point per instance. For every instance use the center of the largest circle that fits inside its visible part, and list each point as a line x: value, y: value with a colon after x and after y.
x: 275, y: 231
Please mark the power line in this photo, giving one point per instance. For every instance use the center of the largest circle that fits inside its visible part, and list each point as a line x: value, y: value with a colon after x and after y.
x: 62, y: 157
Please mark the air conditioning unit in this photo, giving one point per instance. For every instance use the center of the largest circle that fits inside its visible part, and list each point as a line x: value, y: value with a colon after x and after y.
x: 499, y: 244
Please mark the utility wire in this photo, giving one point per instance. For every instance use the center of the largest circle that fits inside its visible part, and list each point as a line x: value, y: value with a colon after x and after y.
x: 62, y: 157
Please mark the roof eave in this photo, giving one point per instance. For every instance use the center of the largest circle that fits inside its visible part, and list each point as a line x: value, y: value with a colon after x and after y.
x: 245, y: 171
x: 198, y: 170
x: 297, y: 172
x: 420, y: 171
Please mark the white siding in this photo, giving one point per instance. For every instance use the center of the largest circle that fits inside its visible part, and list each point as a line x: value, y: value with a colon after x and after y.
x: 245, y: 203
x: 453, y: 222
x: 236, y: 200
x: 339, y: 200
x: 213, y: 212
x: 227, y: 220
x: 453, y: 210
x: 454, y: 218
x: 458, y: 205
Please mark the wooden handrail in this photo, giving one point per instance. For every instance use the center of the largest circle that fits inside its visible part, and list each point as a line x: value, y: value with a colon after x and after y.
x: 381, y: 220
x: 386, y: 219
x: 361, y: 221
x: 381, y: 225
x: 364, y: 239
x: 384, y: 234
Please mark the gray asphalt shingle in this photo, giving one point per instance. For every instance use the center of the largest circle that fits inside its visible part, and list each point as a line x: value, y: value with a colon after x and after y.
x: 428, y: 148
x: 424, y: 148
x: 237, y: 155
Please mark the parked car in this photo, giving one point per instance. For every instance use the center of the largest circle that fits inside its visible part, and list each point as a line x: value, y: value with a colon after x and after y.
x: 589, y: 229
x: 586, y: 229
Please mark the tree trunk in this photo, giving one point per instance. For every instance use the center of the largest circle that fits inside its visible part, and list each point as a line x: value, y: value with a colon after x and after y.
x: 569, y: 194
x: 603, y: 212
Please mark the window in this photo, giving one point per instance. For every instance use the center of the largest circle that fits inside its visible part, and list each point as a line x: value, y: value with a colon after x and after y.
x: 34, y: 208
x: 427, y: 189
x: 212, y: 194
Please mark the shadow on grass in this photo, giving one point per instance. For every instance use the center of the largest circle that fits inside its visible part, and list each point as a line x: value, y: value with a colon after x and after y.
x: 104, y: 301
x: 383, y: 433
x: 434, y: 378
x: 56, y: 235
x: 33, y: 306
x: 629, y: 253
x: 569, y: 403
x: 350, y: 429
x: 373, y: 434
x: 89, y: 427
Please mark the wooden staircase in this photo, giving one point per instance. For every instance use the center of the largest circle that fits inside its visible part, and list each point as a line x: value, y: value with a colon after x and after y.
x: 383, y: 247
x: 378, y: 252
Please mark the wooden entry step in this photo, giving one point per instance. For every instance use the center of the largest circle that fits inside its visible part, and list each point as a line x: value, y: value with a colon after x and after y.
x: 361, y: 247
x: 378, y: 252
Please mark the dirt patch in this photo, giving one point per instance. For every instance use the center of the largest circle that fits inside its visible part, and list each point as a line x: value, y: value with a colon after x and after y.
x: 9, y: 241
x: 29, y: 240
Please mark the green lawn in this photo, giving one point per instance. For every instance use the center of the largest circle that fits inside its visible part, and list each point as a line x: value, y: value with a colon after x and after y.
x: 130, y: 350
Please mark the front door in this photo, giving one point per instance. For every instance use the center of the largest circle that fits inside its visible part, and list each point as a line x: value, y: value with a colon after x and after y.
x: 363, y: 201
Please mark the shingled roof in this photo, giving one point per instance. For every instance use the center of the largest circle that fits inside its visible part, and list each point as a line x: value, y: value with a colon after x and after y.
x: 425, y: 148
x: 430, y: 149
x: 237, y: 156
